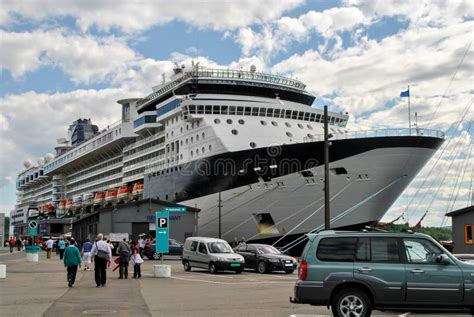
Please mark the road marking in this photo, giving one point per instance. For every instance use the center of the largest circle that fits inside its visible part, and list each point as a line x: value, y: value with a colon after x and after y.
x: 228, y: 283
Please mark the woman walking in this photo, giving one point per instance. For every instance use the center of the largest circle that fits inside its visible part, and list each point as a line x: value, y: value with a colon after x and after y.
x: 72, y: 259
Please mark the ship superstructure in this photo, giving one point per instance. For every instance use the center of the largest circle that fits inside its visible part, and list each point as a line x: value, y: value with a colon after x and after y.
x: 250, y: 137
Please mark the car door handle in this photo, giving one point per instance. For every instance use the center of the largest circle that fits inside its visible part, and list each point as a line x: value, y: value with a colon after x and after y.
x: 365, y: 269
x: 417, y: 271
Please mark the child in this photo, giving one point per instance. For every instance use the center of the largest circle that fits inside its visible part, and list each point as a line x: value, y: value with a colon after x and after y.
x: 136, y: 260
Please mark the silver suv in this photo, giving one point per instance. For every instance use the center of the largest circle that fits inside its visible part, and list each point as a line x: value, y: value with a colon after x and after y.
x: 211, y: 254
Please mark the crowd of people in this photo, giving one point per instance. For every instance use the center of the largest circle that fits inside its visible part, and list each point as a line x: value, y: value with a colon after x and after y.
x: 98, y: 252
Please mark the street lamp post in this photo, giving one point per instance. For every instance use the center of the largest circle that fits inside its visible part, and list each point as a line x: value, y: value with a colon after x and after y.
x: 327, y: 216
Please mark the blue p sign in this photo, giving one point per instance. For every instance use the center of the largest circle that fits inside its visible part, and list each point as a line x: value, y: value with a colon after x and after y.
x: 162, y: 232
x: 162, y: 222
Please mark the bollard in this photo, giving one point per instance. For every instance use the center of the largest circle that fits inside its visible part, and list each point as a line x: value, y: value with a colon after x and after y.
x: 32, y: 253
x: 161, y: 270
x: 3, y: 271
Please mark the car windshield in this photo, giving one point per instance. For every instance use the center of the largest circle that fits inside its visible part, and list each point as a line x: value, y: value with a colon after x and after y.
x: 219, y: 247
x: 268, y: 250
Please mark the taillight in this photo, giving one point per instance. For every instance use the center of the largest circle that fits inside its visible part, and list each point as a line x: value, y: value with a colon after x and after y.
x: 303, y: 270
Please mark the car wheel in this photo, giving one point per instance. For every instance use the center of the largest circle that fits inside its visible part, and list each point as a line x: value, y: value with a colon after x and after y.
x: 156, y: 256
x: 351, y: 302
x: 262, y: 267
x: 212, y: 268
x: 187, y: 266
x: 239, y: 271
x: 289, y: 271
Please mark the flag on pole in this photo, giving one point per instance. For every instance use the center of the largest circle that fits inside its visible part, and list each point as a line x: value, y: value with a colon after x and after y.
x: 405, y: 93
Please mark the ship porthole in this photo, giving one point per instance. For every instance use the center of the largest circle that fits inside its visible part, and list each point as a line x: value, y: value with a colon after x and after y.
x: 253, y: 145
x: 234, y: 132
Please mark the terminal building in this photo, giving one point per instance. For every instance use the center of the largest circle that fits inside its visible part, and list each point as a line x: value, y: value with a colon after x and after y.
x: 463, y: 230
x: 136, y: 218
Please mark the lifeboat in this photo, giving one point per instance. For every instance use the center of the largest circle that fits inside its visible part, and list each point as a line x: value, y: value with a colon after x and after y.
x: 111, y: 196
x: 62, y: 206
x: 69, y: 204
x: 77, y: 201
x: 137, y: 191
x: 124, y: 193
x: 99, y: 198
x: 48, y: 209
x: 88, y: 199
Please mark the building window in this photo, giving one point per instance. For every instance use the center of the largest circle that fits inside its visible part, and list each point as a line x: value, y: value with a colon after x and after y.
x: 241, y: 121
x: 468, y: 234
x: 234, y: 132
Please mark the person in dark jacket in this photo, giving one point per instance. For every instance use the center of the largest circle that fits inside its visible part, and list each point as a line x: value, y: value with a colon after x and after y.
x: 72, y: 259
x: 123, y: 250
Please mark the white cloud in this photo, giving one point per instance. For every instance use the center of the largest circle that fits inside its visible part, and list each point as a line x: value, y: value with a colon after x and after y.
x: 132, y: 17
x: 84, y: 58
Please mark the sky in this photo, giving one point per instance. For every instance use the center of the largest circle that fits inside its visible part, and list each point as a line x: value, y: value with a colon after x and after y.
x: 61, y: 60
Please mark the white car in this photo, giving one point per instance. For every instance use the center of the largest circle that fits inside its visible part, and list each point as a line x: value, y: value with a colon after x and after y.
x: 211, y: 254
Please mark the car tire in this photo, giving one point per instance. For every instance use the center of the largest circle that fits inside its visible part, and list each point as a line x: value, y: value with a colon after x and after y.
x: 351, y: 299
x: 212, y: 268
x: 262, y: 267
x: 238, y: 271
x: 289, y: 271
x: 156, y: 256
x: 186, y: 266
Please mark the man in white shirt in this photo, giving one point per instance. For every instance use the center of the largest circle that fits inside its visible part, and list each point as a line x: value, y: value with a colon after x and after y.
x: 102, y: 255
x: 49, y: 247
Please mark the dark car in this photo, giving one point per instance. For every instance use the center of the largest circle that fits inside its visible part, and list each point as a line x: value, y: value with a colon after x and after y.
x: 265, y: 258
x: 175, y: 248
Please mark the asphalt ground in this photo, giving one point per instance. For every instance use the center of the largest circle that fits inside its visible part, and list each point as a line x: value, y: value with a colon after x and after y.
x: 40, y: 289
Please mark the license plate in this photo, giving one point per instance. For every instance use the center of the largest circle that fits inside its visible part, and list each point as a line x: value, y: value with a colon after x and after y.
x: 235, y: 264
x: 288, y: 264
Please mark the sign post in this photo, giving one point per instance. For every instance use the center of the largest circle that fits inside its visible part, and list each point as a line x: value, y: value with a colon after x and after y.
x: 33, y: 228
x: 162, y: 232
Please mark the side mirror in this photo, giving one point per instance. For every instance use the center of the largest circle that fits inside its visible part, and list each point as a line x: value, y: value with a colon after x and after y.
x: 442, y: 259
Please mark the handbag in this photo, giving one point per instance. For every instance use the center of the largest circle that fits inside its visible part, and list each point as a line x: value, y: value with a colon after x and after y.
x: 104, y: 255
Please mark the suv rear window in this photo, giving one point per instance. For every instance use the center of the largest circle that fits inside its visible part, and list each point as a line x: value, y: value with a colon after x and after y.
x: 378, y: 249
x: 336, y: 249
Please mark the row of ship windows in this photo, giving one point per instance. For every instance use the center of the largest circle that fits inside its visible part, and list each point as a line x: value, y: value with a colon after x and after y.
x: 144, y: 158
x: 97, y: 177
x: 101, y: 186
x: 144, y: 147
x: 192, y: 126
x: 99, y: 141
x: 93, y: 169
x: 263, y: 112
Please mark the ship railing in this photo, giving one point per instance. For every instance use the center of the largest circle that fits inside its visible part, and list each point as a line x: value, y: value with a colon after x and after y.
x: 378, y: 133
x: 143, y: 141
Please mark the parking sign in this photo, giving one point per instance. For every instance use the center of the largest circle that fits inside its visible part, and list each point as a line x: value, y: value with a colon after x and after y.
x: 162, y: 231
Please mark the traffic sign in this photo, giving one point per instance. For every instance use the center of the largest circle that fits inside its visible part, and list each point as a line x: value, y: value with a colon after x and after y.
x: 162, y: 231
x: 33, y: 228
x: 175, y: 209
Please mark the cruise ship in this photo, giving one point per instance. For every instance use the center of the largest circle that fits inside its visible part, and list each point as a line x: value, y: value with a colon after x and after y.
x: 245, y: 142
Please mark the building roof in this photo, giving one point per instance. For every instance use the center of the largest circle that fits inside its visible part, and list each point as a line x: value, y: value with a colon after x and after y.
x: 461, y: 211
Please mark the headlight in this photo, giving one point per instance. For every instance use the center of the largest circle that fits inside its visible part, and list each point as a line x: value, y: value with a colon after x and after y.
x: 222, y: 259
x: 274, y: 260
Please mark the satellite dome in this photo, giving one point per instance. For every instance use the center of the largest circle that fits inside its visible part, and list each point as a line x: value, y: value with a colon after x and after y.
x: 40, y: 161
x: 49, y: 157
x: 27, y: 164
x: 253, y: 68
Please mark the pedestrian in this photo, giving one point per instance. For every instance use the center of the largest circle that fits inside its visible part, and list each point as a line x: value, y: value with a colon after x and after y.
x: 102, y: 255
x: 18, y: 244
x: 11, y: 244
x: 72, y: 259
x: 86, y: 254
x: 111, y: 245
x: 136, y: 260
x: 61, y: 247
x: 140, y: 244
x: 49, y: 247
x: 123, y: 250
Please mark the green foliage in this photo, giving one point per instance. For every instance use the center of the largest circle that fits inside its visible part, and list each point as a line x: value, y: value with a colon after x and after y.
x: 440, y: 234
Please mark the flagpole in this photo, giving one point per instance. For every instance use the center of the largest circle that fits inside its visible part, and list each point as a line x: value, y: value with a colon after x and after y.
x: 409, y: 112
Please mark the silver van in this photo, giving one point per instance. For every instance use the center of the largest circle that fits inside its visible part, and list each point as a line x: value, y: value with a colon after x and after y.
x: 211, y: 254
